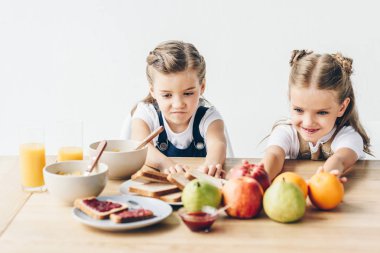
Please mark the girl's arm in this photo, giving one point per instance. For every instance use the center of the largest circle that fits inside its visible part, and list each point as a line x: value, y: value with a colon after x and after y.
x: 155, y: 158
x: 216, y: 149
x: 341, y: 160
x: 273, y: 161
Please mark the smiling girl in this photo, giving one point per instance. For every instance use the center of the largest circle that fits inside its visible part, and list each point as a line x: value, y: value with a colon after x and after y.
x: 192, y: 128
x: 324, y: 122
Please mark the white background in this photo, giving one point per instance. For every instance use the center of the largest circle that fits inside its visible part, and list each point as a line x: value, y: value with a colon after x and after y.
x: 85, y: 60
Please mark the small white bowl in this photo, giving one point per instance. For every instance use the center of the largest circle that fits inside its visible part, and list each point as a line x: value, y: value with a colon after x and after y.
x: 121, y: 158
x: 63, y: 182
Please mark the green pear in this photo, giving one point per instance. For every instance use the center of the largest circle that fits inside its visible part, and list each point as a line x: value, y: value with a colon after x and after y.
x: 199, y: 193
x: 284, y: 202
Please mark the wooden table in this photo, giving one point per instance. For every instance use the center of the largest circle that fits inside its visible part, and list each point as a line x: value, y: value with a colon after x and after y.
x: 39, y: 223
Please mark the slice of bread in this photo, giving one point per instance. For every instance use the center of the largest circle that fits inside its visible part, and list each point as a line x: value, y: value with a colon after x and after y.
x: 153, y: 189
x: 149, y: 175
x: 131, y: 215
x: 194, y: 173
x: 172, y: 197
x: 189, y: 176
x: 99, y: 209
x: 179, y: 179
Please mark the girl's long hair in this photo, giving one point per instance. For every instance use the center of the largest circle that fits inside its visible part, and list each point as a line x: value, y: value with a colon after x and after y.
x: 328, y: 72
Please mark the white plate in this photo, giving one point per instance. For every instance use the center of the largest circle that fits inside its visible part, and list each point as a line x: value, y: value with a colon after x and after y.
x: 124, y: 189
x: 160, y: 209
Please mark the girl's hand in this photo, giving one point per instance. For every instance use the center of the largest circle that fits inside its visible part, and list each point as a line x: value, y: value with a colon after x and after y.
x: 334, y: 172
x: 176, y: 168
x: 215, y: 170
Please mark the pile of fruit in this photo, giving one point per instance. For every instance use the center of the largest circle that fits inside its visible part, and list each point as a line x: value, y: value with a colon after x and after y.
x: 248, y: 190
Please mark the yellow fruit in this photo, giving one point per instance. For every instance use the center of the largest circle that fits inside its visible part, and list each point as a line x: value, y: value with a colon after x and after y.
x: 295, y: 179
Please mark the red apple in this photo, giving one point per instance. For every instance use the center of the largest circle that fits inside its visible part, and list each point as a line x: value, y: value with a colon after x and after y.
x: 243, y: 196
x: 255, y: 171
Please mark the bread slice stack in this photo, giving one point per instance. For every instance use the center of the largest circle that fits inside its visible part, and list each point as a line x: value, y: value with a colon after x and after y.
x: 150, y: 182
x: 149, y: 175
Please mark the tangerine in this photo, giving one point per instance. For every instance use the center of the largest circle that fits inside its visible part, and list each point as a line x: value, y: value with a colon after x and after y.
x: 325, y: 190
x: 294, y: 178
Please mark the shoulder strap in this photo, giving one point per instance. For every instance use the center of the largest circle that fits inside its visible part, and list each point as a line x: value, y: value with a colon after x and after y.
x: 304, y: 151
x: 162, y: 137
x: 201, y: 111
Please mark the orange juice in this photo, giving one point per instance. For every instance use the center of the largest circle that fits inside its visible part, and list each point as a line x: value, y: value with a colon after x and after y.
x: 32, y: 162
x: 70, y: 153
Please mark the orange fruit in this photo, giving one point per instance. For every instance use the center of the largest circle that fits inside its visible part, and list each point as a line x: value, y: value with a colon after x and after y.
x: 325, y: 191
x: 294, y: 178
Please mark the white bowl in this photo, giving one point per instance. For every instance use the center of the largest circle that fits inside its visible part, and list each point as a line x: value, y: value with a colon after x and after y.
x: 121, y: 158
x: 67, y: 188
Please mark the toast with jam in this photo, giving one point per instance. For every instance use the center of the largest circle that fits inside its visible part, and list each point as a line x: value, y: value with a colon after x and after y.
x: 131, y: 215
x: 99, y: 209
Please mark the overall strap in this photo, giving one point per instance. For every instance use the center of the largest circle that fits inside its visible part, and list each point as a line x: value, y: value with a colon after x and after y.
x: 199, y: 142
x: 162, y: 142
x: 304, y: 151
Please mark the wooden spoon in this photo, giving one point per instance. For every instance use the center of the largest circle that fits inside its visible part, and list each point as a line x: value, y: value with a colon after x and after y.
x: 150, y: 137
x: 99, y: 151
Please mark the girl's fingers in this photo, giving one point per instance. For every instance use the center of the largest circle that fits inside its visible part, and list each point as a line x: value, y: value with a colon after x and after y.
x: 320, y: 169
x: 343, y: 180
x: 179, y: 168
x: 335, y: 172
x: 186, y: 168
x: 172, y: 169
x: 220, y: 173
x: 211, y: 170
x: 223, y: 174
x: 204, y: 169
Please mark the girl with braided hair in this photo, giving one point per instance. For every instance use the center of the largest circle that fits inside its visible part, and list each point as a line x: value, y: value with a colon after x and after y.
x: 324, y: 122
x: 192, y: 127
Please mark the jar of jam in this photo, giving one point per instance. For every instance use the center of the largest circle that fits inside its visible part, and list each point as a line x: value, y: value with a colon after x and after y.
x: 197, y: 221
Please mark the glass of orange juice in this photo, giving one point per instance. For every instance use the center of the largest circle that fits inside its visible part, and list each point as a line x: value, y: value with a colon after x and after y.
x: 70, y: 140
x: 32, y: 159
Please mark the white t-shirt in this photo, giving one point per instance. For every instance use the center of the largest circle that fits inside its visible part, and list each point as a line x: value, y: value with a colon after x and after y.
x: 182, y: 140
x: 285, y: 136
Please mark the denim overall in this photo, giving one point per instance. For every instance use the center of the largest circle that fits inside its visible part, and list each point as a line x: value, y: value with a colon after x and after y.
x: 196, y: 149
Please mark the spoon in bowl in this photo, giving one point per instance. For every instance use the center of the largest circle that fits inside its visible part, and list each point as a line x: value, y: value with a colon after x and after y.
x: 150, y: 137
x: 99, y: 151
x: 213, y: 210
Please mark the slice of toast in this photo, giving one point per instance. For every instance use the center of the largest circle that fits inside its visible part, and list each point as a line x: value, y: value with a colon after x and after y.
x: 194, y: 173
x: 179, y: 179
x: 172, y: 197
x: 131, y: 215
x: 153, y: 189
x: 99, y: 209
x: 189, y: 176
x: 148, y: 175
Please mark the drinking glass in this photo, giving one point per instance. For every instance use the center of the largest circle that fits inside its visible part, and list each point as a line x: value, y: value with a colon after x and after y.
x: 70, y: 140
x: 32, y: 158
